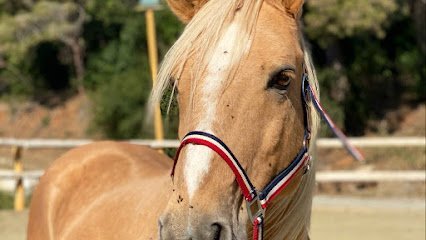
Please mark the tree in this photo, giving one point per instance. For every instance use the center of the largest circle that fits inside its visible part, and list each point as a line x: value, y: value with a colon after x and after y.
x: 327, y: 20
x: 44, y: 21
x: 418, y: 10
x: 118, y: 73
x: 367, y: 57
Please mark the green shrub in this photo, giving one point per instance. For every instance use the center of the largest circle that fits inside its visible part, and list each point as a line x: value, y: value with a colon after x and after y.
x: 6, y: 200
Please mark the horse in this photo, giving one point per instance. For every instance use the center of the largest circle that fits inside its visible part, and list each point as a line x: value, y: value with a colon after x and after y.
x: 244, y: 83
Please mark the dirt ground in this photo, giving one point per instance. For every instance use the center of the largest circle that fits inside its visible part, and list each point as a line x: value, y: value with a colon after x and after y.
x: 342, y: 218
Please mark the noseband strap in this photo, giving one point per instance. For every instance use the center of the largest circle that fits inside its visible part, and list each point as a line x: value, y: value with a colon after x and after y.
x: 257, y: 201
x: 248, y: 190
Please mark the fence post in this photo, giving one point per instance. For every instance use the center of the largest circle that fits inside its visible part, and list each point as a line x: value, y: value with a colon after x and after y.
x: 19, y: 203
x: 153, y: 62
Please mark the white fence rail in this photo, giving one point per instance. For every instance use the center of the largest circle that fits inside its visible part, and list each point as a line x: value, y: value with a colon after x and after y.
x: 381, y: 142
x: 321, y: 176
x: 71, y: 143
x: 370, y: 176
x: 10, y: 174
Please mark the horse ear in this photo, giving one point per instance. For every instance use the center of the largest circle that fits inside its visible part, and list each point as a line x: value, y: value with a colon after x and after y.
x: 294, y: 7
x: 185, y: 9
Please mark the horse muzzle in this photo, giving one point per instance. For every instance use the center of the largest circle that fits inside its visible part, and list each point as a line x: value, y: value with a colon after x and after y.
x: 196, y: 229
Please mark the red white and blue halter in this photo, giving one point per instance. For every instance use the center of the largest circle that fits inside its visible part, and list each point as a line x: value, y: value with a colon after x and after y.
x: 257, y: 201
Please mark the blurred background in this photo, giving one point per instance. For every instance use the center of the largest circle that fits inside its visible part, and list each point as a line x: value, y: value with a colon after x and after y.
x: 80, y: 70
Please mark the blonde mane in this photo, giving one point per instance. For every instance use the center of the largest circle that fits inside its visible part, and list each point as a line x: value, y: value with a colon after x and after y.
x: 204, y: 31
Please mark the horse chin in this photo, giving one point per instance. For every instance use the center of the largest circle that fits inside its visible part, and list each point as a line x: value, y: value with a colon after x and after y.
x: 239, y: 231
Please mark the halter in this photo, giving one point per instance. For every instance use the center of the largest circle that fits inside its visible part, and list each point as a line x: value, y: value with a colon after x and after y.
x: 257, y: 201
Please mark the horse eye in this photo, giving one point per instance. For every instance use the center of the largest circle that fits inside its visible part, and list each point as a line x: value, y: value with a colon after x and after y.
x: 280, y: 80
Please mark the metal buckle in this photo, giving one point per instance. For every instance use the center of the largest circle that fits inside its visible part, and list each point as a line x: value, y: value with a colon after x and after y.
x: 307, y: 167
x: 307, y: 137
x: 305, y: 88
x: 255, y: 209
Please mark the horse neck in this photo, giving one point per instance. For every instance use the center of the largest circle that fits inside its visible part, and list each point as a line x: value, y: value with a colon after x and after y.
x: 288, y: 217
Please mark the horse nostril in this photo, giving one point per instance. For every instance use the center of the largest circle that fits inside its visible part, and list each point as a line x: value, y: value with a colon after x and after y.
x: 216, y: 229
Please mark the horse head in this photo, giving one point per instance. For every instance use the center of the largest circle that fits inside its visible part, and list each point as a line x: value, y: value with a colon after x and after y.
x: 238, y: 71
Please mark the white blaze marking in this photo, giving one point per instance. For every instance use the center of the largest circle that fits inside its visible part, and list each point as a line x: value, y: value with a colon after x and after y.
x: 198, y: 157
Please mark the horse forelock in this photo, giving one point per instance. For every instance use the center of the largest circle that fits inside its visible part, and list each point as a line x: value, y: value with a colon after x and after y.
x: 205, y: 30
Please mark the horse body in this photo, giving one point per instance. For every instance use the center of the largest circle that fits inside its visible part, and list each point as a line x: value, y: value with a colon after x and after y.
x: 103, y: 190
x: 238, y: 69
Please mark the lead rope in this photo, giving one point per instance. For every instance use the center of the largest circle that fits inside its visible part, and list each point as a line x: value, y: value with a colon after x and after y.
x: 258, y: 228
x: 310, y: 96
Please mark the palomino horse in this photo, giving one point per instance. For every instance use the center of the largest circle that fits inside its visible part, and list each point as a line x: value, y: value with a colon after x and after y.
x: 238, y: 69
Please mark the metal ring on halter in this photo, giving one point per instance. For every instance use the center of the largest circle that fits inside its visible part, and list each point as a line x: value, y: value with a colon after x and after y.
x: 307, y: 167
x: 255, y: 209
x: 306, y: 138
